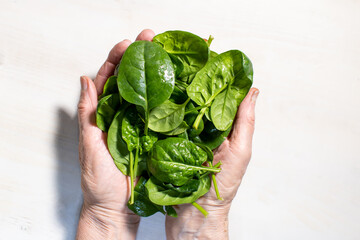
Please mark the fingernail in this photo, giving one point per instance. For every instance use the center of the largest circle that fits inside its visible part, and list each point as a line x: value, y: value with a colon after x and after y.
x: 254, y: 96
x: 84, y: 83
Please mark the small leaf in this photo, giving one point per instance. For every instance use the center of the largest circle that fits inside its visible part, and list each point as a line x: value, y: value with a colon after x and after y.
x: 161, y: 195
x: 106, y: 110
x: 167, y: 116
x: 142, y: 205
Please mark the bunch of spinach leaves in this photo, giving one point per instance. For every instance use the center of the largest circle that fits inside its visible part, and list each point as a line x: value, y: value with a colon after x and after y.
x: 168, y: 105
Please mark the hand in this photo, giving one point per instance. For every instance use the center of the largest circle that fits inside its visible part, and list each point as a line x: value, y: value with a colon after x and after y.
x: 106, y: 190
x: 235, y: 154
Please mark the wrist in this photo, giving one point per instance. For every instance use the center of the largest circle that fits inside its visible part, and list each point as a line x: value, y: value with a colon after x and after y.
x: 101, y: 223
x: 192, y: 224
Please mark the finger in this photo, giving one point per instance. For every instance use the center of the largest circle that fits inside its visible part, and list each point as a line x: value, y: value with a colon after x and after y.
x: 87, y: 103
x: 107, y: 69
x: 243, y: 129
x: 146, y: 34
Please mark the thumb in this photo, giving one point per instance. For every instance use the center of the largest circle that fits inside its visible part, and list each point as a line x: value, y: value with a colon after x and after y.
x: 87, y: 103
x: 243, y: 128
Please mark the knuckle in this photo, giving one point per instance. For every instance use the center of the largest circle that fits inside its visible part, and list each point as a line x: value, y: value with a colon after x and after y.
x: 82, y: 107
x: 250, y: 119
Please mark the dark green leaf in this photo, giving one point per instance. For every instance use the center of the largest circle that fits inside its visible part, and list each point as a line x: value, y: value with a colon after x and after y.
x: 176, y: 161
x: 190, y: 49
x: 133, y: 132
x: 179, y: 130
x: 146, y: 75
x: 178, y: 65
x: 170, y: 211
x: 210, y: 136
x: 142, y: 205
x: 190, y: 119
x: 226, y: 79
x: 159, y: 194
x: 106, y: 110
x: 167, y: 116
x: 178, y: 96
x: 110, y: 87
x: 117, y: 146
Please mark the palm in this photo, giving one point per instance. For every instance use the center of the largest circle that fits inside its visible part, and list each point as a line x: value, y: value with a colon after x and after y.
x: 233, y: 167
x: 105, y: 184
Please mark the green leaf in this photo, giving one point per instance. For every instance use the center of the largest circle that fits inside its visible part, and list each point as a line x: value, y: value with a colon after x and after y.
x: 231, y: 72
x: 106, y: 110
x: 190, y: 49
x: 177, y: 160
x: 190, y: 118
x: 142, y: 205
x: 208, y: 151
x: 167, y: 116
x: 110, y: 87
x: 118, y: 148
x: 146, y: 75
x: 212, y: 54
x: 133, y: 132
x: 170, y: 211
x: 160, y: 194
x: 178, y: 65
x: 179, y: 130
x: 211, y: 136
x: 178, y: 96
x: 224, y: 108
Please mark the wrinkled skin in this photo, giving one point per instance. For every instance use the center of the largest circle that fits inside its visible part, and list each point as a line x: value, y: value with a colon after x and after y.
x: 106, y: 190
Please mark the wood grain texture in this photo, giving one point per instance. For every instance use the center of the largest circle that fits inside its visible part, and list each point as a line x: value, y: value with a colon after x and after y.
x: 304, y: 178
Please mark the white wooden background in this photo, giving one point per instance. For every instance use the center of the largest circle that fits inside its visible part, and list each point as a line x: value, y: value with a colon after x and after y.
x: 304, y: 178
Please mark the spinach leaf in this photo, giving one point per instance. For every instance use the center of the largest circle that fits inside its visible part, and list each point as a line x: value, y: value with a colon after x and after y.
x: 146, y: 76
x: 160, y: 194
x: 177, y: 160
x: 208, y: 151
x: 170, y: 211
x: 183, y: 135
x: 118, y: 148
x: 178, y: 65
x: 110, y: 87
x: 178, y: 96
x: 106, y: 110
x: 229, y: 73
x: 212, y: 54
x: 179, y: 130
x: 190, y: 49
x: 190, y: 117
x: 133, y: 132
x: 142, y: 205
x: 167, y: 116
x: 211, y: 136
x: 191, y: 186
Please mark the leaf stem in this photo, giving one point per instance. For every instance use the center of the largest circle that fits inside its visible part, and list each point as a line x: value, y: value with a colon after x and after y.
x: 215, y: 184
x: 197, y: 108
x: 199, y: 117
x: 136, y: 158
x: 211, y: 38
x: 203, y: 211
x: 208, y: 103
x: 131, y: 166
x: 146, y: 122
x: 208, y: 169
x: 207, y: 173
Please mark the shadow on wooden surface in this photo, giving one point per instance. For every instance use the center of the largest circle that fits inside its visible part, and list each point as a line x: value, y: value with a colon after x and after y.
x: 69, y: 197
